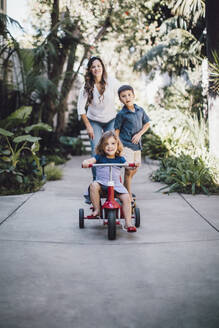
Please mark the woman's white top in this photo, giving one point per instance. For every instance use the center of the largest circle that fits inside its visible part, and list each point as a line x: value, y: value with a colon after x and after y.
x: 102, y: 109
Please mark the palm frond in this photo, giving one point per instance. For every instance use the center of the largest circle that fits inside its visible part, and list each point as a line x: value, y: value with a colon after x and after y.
x: 7, y: 20
x: 188, y: 40
x: 214, y: 73
x: 179, y: 50
x: 41, y: 88
x: 153, y: 55
x: 171, y: 24
x: 187, y: 7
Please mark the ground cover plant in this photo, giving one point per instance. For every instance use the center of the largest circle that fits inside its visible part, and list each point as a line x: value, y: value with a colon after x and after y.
x: 186, y: 174
x: 53, y: 172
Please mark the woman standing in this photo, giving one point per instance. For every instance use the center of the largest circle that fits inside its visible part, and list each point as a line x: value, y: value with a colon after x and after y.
x: 97, y: 94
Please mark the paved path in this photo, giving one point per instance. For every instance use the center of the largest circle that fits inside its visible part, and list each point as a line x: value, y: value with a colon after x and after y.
x: 54, y: 275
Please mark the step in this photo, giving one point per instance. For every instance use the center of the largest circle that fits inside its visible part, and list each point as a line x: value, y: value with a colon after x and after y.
x: 86, y: 143
x: 83, y: 132
x: 83, y: 137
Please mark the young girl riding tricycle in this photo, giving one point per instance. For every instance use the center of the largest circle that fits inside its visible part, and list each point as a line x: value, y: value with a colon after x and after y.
x: 108, y: 153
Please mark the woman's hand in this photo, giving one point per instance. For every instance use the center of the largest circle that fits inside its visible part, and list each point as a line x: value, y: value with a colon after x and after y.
x: 90, y: 132
x: 88, y: 126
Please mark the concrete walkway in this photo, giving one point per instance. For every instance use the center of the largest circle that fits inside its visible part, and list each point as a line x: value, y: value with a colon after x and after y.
x: 54, y: 275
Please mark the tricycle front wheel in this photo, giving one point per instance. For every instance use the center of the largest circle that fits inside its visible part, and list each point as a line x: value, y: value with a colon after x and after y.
x: 111, y: 217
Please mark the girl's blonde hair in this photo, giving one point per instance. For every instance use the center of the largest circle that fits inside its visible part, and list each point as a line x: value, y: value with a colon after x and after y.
x: 100, y: 147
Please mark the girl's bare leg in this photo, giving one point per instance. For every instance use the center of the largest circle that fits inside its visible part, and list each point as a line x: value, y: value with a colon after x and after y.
x: 126, y: 207
x: 128, y: 180
x: 95, y: 197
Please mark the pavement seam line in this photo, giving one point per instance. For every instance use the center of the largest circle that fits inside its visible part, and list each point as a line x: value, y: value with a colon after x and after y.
x: 17, y: 208
x: 204, y: 218
x: 106, y: 243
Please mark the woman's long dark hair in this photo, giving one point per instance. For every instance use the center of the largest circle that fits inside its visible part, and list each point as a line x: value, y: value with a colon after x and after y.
x: 89, y: 79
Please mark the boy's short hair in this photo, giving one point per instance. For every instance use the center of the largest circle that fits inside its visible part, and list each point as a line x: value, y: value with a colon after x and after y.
x: 125, y: 87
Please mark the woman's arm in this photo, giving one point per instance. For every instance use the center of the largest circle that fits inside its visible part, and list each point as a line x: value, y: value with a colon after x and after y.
x: 82, y: 101
x: 88, y: 126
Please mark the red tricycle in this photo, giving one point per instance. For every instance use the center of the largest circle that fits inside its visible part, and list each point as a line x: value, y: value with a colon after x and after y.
x: 110, y: 210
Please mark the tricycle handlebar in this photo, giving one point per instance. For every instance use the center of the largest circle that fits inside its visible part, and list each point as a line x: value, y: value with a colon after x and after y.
x: 113, y: 164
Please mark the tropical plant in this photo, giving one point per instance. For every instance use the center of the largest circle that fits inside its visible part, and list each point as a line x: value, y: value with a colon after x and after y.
x: 72, y: 144
x: 179, y: 41
x: 184, y: 95
x: 153, y: 146
x: 16, y: 141
x: 53, y: 158
x: 212, y: 24
x: 177, y: 51
x: 9, y: 51
x: 180, y: 132
x: 74, y: 125
x: 12, y: 153
x: 187, y: 175
x: 12, y: 174
x: 214, y: 73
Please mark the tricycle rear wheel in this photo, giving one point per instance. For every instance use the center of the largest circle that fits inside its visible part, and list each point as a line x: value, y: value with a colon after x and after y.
x: 137, y: 217
x: 81, y: 218
x: 111, y: 217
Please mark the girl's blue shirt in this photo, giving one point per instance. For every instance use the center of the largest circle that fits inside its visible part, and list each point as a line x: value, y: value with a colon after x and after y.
x: 102, y: 172
x: 100, y: 159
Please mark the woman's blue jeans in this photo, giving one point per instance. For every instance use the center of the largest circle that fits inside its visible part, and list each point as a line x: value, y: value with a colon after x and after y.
x: 98, y: 128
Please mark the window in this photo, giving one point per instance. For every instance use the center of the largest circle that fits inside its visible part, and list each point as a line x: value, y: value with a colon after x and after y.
x: 2, y: 4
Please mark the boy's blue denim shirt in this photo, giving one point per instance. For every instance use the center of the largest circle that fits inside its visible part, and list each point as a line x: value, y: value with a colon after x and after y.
x: 129, y: 123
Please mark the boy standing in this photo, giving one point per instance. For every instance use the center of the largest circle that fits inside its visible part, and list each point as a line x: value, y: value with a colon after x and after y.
x: 130, y: 124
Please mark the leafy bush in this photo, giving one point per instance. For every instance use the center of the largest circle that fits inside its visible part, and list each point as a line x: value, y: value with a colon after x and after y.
x: 153, y: 146
x: 58, y: 160
x: 74, y: 125
x: 187, y: 175
x: 53, y: 172
x: 20, y: 170
x: 73, y: 145
x: 180, y: 132
x: 25, y: 178
x: 187, y: 97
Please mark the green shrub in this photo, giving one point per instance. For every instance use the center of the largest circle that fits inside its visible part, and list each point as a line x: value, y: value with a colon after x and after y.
x: 153, y: 147
x: 74, y: 124
x: 180, y: 132
x: 73, y: 145
x: 188, y: 98
x: 53, y: 172
x: 187, y: 175
x: 14, y: 182
x: 58, y: 160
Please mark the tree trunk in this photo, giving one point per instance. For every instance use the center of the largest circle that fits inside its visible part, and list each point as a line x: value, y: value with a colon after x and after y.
x: 212, y: 23
x: 61, y: 117
x: 60, y: 124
